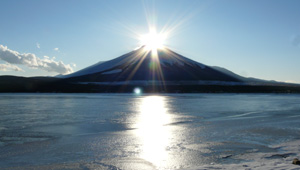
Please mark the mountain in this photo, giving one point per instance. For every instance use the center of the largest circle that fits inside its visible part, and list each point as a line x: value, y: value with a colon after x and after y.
x: 161, y: 70
x: 141, y: 66
x: 25, y: 84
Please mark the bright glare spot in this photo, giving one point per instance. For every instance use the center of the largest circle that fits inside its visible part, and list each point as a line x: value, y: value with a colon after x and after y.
x: 152, y: 130
x: 153, y: 40
x: 137, y: 90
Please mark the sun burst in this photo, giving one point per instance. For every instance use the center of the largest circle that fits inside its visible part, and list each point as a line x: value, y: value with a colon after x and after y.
x: 153, y: 40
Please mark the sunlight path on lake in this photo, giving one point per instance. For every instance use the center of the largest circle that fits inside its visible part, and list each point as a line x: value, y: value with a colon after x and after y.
x: 151, y: 131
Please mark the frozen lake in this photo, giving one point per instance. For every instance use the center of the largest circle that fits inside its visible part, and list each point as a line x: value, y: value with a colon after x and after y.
x: 165, y: 131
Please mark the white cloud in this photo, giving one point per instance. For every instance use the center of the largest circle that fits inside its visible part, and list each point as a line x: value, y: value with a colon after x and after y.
x: 32, y: 61
x: 38, y: 45
x: 55, y: 49
x: 9, y: 67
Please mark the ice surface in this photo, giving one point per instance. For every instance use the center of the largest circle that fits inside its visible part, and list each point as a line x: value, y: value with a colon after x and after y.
x: 170, y: 131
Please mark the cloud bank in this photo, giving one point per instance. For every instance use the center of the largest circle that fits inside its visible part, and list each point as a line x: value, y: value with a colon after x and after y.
x: 9, y: 67
x: 32, y: 61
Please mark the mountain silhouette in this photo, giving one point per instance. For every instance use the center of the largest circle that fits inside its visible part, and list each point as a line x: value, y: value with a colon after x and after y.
x: 161, y: 65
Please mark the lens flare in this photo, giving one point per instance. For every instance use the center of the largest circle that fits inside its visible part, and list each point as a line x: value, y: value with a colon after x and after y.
x: 137, y: 91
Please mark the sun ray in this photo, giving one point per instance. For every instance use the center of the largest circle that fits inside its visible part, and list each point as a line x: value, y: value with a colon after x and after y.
x: 158, y: 71
x: 174, y: 24
x: 144, y: 55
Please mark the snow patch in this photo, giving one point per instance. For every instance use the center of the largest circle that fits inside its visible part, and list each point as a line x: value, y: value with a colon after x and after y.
x: 102, y: 66
x: 170, y: 62
x: 113, y: 71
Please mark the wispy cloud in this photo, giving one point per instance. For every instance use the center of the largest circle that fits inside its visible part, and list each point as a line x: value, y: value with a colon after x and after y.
x: 9, y: 67
x: 296, y: 40
x: 56, y: 49
x: 38, y: 45
x: 32, y: 61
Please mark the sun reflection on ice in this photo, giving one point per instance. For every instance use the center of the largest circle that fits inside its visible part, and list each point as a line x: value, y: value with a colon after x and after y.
x: 151, y: 130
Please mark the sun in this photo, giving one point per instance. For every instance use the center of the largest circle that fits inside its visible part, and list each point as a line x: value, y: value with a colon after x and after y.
x: 153, y: 40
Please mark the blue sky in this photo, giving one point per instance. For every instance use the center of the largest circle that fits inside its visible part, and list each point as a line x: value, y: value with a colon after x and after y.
x: 253, y: 38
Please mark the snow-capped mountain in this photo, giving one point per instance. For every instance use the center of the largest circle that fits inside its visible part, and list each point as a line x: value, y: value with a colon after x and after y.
x: 142, y: 65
